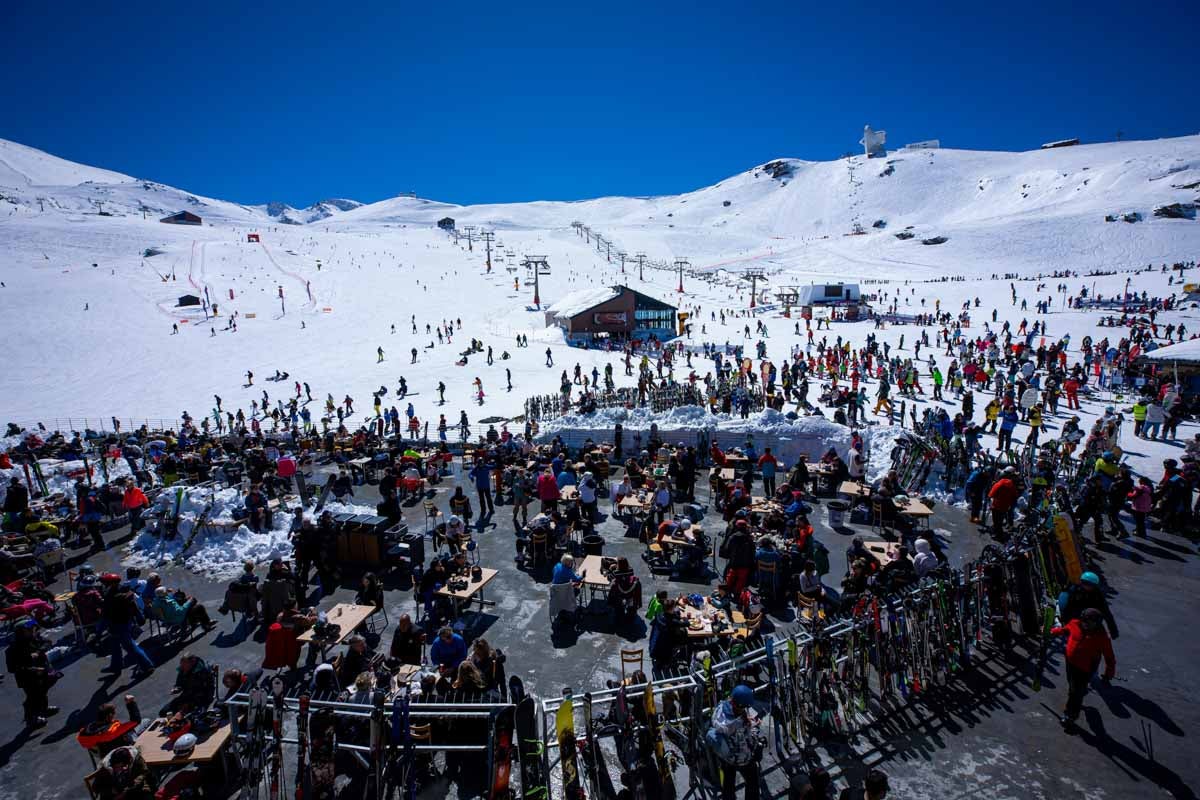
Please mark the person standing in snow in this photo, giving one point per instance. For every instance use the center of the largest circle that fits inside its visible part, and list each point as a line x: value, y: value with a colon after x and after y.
x: 379, y: 352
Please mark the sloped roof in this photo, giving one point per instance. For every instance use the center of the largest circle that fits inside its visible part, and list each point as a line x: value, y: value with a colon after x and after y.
x: 1183, y: 352
x: 569, y: 305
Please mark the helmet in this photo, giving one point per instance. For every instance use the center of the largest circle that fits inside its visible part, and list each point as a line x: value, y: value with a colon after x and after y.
x: 685, y: 524
x: 1090, y: 577
x: 1010, y: 470
x: 456, y: 520
x: 110, y: 577
x: 185, y: 744
x: 743, y: 695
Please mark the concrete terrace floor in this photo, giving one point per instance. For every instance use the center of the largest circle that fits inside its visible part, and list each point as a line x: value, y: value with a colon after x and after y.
x: 987, y: 734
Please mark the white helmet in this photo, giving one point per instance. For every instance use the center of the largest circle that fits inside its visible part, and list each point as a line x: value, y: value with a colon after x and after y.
x: 185, y: 744
x: 456, y: 520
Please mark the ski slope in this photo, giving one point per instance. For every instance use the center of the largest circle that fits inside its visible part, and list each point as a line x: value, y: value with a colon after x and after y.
x: 90, y: 317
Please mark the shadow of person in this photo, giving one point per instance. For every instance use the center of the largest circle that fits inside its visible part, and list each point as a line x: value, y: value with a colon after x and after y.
x: 1124, y: 702
x: 1129, y: 759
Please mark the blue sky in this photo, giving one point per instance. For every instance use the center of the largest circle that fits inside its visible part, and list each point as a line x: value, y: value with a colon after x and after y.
x: 496, y: 102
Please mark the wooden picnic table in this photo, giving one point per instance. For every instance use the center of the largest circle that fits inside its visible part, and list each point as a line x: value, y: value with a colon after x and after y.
x: 594, y: 579
x: 347, y: 616
x: 157, y: 749
x: 632, y: 503
x: 854, y: 489
x: 467, y: 595
x: 882, y: 550
x: 915, y: 510
x: 704, y: 616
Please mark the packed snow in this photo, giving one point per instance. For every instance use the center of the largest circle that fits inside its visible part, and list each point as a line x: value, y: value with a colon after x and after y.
x: 96, y: 292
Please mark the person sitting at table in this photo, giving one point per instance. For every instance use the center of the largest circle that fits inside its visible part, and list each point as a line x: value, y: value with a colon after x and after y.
x: 620, y: 491
x: 431, y: 580
x: 738, y: 500
x: 810, y: 582
x: 460, y: 505
x: 490, y: 664
x: 408, y: 641
x: 370, y: 591
x: 858, y: 551
x: 802, y: 533
x: 195, y: 688
x: 468, y: 681
x: 768, y: 553
x: 798, y: 476
x: 236, y: 681
x: 564, y: 571
x: 717, y: 455
x: 324, y: 680
x: 455, y: 534
x: 107, y: 732
x: 773, y: 521
x: 296, y: 619
x: 796, y: 507
x: 177, y: 609
x: 448, y: 651
x: 889, y: 486
x: 899, y: 573
x: 568, y: 477
x: 124, y: 775
x: 357, y: 659
x: 721, y: 599
x: 634, y: 473
x: 624, y: 591
x: 668, y: 632
x: 926, y: 561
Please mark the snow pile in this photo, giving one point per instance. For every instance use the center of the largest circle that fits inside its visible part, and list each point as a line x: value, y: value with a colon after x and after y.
x: 788, y: 438
x: 218, y: 550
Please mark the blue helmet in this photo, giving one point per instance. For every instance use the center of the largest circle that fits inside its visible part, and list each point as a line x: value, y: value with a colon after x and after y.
x: 1090, y: 577
x: 743, y: 695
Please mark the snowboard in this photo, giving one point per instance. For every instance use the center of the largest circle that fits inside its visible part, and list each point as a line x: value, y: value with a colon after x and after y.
x: 503, y: 723
x: 666, y: 784
x: 325, y: 490
x: 530, y: 749
x: 564, y: 725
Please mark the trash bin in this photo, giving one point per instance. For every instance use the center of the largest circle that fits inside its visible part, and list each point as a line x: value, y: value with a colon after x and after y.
x: 837, y: 512
x: 593, y: 545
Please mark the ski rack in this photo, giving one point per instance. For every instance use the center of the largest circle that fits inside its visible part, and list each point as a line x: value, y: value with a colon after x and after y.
x: 363, y: 711
x: 683, y: 683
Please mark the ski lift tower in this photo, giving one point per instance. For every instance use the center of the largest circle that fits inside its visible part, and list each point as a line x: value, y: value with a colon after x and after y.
x: 681, y: 264
x: 754, y: 275
x: 487, y: 237
x: 538, y: 265
x: 469, y: 232
x: 578, y: 226
x: 622, y: 255
x: 641, y: 258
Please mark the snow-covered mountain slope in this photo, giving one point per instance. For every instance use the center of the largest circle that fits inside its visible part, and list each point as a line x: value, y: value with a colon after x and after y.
x: 25, y: 166
x: 91, y: 317
x: 314, y: 213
